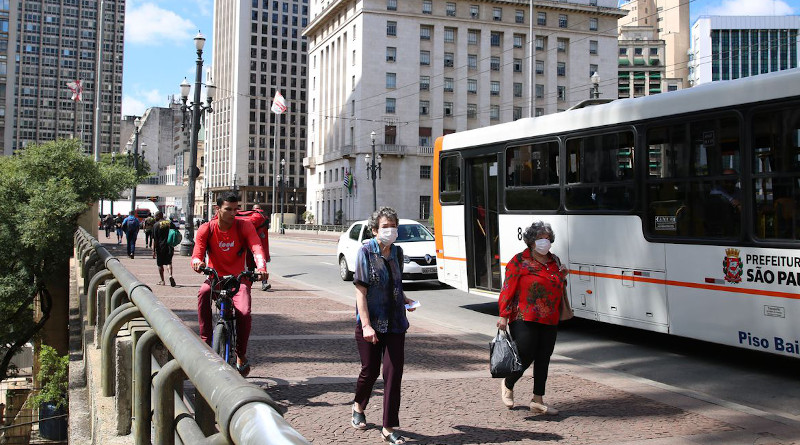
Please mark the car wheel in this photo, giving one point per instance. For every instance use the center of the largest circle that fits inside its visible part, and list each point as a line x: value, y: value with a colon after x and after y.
x: 344, y: 272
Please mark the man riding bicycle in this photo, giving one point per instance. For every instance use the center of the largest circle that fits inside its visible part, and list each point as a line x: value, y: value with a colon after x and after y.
x: 225, y: 240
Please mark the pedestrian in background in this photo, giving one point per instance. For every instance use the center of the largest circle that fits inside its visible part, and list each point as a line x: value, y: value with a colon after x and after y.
x: 263, y: 233
x: 381, y: 321
x: 531, y: 300
x: 148, y: 231
x: 131, y: 226
x: 118, y: 225
x: 162, y: 251
x: 108, y: 224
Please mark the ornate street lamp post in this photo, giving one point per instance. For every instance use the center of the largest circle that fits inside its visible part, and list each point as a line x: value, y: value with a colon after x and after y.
x: 373, y: 171
x: 281, y: 180
x: 595, y: 85
x: 136, y: 127
x: 197, y: 108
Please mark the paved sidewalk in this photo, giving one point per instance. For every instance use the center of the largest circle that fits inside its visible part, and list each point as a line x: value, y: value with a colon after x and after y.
x: 303, y: 354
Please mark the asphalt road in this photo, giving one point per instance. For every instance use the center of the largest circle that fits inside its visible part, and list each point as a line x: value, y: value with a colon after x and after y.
x: 762, y: 382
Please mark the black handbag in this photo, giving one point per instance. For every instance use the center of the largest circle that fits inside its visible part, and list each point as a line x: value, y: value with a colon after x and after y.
x: 503, y: 355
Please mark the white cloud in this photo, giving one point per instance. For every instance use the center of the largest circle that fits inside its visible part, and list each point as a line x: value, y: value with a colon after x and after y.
x: 151, y: 25
x: 132, y: 106
x: 154, y: 96
x: 750, y: 7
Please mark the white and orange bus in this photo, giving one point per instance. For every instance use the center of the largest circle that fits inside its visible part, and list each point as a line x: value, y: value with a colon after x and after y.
x: 677, y: 213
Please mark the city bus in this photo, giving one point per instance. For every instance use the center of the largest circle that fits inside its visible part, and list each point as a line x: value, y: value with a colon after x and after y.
x: 676, y: 213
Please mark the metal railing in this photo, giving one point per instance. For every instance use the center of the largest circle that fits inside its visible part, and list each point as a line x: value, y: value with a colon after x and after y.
x: 243, y: 412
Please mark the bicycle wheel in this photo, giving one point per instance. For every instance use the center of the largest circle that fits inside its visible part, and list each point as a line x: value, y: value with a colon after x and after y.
x: 221, y: 344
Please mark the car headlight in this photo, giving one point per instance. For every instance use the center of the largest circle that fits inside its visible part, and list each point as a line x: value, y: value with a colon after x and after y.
x: 406, y: 259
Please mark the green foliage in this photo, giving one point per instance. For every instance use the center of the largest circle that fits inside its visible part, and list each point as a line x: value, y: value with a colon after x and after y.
x: 53, y: 377
x: 308, y: 217
x: 44, y: 189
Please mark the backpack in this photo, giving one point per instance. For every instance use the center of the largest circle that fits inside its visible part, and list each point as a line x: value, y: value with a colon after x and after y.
x: 260, y: 223
x: 174, y: 237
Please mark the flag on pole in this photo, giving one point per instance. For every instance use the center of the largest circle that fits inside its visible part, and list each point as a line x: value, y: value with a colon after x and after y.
x: 77, y: 90
x: 278, y: 103
x: 349, y: 182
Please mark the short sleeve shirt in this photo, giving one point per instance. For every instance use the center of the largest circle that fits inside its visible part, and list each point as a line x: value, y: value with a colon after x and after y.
x: 532, y: 291
x: 383, y: 278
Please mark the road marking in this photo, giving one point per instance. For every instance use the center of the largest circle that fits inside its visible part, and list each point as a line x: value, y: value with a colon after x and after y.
x: 325, y: 262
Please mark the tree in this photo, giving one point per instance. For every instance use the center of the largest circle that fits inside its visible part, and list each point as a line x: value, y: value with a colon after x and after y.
x: 44, y: 189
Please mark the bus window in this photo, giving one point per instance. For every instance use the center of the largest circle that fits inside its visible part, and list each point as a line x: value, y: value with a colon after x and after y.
x: 600, y: 171
x: 450, y: 179
x: 532, y: 177
x: 694, y: 188
x: 776, y: 174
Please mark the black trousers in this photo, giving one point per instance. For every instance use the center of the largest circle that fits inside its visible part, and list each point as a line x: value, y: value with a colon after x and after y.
x: 535, y: 343
x: 390, y: 350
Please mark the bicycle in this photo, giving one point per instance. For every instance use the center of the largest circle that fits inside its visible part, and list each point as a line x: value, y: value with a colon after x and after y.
x: 223, y: 339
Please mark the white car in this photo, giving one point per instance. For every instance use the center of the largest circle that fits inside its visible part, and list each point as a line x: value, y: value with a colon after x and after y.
x: 419, y: 249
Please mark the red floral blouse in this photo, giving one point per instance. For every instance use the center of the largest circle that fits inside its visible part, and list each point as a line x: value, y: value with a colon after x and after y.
x: 532, y: 291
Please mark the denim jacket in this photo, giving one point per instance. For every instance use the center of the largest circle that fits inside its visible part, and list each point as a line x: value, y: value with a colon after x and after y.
x: 385, y: 296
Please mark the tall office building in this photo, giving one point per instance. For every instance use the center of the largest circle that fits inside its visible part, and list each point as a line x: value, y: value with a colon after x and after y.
x: 412, y: 70
x: 258, y: 50
x: 726, y: 48
x: 45, y: 44
x: 672, y: 22
x: 641, y: 63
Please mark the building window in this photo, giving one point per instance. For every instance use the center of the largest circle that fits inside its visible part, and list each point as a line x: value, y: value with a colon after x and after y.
x: 448, y: 84
x: 592, y: 46
x: 424, y: 83
x: 562, y: 93
x: 472, y: 111
x: 449, y: 35
x: 592, y: 69
x: 592, y: 24
x: 519, y: 40
x: 540, y: 67
x: 495, y: 88
x: 424, y: 207
x: 623, y: 51
x: 517, y: 113
x: 472, y: 86
x: 539, y: 43
x: 517, y: 65
x: 449, y: 60
x: 472, y: 61
x: 561, y: 69
x: 519, y: 16
x: 424, y: 107
x: 391, y: 29
x: 424, y: 57
x: 390, y: 105
x: 450, y: 9
x: 496, y: 37
x: 562, y: 45
x: 474, y: 11
x: 517, y: 89
x: 425, y: 136
x: 562, y: 20
x: 497, y: 14
x: 391, y: 80
x: 541, y: 19
x: 494, y: 63
x: 448, y: 108
x: 391, y: 54
x: 354, y: 57
x: 391, y: 5
x: 427, y: 7
x: 539, y: 91
x: 473, y: 35
x: 424, y: 172
x: 637, y: 51
x: 425, y: 32
x: 653, y: 51
x: 494, y: 112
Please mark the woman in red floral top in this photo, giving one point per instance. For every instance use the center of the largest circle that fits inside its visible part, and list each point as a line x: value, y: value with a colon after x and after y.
x: 531, y: 301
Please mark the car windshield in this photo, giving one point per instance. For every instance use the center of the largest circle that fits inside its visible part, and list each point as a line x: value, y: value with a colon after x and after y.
x: 409, y: 233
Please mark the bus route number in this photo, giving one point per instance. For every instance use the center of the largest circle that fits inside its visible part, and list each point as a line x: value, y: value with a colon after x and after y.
x: 519, y: 233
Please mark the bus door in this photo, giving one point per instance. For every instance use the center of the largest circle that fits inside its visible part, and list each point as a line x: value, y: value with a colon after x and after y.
x: 483, y: 261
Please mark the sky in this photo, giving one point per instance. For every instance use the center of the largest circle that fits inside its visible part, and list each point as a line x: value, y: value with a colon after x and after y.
x: 159, y: 45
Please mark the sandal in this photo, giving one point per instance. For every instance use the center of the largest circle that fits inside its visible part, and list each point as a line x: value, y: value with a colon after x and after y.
x: 359, y: 420
x: 160, y: 283
x: 395, y: 437
x: 244, y: 368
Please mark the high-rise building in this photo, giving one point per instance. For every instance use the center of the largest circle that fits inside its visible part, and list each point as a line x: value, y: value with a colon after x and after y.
x: 44, y: 45
x: 726, y: 48
x: 672, y: 23
x: 258, y: 50
x: 410, y: 71
x: 641, y: 63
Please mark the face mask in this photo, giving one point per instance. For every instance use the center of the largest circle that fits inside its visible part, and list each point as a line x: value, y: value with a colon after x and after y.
x: 387, y: 235
x: 542, y: 246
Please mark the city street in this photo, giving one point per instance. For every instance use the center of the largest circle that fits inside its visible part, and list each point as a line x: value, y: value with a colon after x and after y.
x: 613, y: 385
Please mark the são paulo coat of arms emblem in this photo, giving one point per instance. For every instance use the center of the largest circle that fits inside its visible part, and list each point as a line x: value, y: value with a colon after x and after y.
x: 732, y: 266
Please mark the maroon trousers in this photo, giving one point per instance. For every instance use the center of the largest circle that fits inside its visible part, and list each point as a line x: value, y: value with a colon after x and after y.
x: 241, y: 301
x: 391, y: 350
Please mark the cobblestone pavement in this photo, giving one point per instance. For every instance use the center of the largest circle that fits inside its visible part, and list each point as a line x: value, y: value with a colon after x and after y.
x: 303, y: 354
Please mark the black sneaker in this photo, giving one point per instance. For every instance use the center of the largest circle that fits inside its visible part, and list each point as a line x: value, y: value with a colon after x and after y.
x: 172, y: 281
x: 265, y: 286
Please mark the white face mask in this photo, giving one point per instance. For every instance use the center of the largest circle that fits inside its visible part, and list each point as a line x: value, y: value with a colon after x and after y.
x: 387, y: 235
x: 542, y: 246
